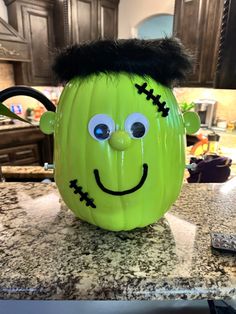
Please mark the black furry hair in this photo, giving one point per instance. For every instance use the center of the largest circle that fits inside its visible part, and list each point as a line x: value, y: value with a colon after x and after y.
x: 165, y: 60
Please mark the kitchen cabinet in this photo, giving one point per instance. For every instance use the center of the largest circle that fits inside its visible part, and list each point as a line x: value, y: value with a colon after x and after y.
x: 226, y: 68
x: 107, y: 19
x: 207, y: 29
x: 197, y: 23
x: 34, y: 21
x: 13, y: 47
x: 84, y: 20
x: 25, y: 146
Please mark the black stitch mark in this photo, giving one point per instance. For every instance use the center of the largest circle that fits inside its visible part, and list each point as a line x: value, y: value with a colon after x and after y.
x: 156, y: 99
x: 84, y: 196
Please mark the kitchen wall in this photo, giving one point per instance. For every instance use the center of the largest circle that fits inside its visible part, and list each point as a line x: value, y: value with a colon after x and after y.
x: 226, y: 99
x: 132, y: 12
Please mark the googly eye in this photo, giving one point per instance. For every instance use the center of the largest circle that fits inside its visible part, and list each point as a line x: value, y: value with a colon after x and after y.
x: 136, y: 125
x: 101, y: 126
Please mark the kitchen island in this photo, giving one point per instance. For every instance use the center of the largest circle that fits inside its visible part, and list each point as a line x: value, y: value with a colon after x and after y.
x: 47, y: 253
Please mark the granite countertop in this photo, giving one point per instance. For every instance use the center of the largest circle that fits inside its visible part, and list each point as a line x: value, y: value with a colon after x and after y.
x: 47, y: 253
x: 26, y: 172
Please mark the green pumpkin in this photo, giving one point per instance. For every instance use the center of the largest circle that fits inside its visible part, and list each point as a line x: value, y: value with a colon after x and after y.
x: 119, y: 163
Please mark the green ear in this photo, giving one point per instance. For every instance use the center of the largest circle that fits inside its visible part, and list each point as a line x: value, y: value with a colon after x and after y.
x: 47, y: 121
x: 191, y: 122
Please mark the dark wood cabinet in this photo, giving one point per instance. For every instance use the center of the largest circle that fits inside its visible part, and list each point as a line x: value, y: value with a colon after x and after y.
x: 84, y: 14
x: 226, y: 67
x: 211, y: 35
x: 83, y: 25
x: 198, y: 24
x: 207, y: 28
x: 84, y: 20
x: 13, y: 47
x: 107, y: 19
x: 50, y: 24
x: 188, y: 20
x: 25, y: 146
x: 34, y: 21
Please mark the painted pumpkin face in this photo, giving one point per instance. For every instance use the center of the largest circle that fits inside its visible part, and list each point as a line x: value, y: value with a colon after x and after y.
x: 119, y: 150
x: 112, y: 144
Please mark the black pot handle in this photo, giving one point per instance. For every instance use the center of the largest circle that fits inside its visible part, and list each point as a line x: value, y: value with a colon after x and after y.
x: 27, y: 91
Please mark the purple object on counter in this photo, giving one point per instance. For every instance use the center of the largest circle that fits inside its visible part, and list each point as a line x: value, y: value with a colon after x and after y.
x: 212, y: 168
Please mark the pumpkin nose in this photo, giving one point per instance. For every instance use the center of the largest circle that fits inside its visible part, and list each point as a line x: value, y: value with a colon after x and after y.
x: 120, y: 140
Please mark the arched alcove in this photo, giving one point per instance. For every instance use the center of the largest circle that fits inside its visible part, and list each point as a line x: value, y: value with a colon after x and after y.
x: 156, y: 26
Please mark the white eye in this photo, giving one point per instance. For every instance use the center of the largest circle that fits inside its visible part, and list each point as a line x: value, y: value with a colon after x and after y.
x: 137, y: 125
x: 101, y: 126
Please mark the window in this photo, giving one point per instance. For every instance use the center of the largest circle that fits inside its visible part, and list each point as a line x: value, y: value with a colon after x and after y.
x: 157, y: 26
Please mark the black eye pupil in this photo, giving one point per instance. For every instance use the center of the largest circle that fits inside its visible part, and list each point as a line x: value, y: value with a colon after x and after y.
x: 101, y: 131
x: 138, y: 129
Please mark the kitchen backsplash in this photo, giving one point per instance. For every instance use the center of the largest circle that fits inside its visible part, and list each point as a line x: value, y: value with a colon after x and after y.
x: 226, y: 99
x: 6, y: 75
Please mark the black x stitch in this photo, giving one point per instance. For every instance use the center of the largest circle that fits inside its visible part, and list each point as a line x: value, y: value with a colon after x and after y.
x: 84, y: 196
x: 155, y: 99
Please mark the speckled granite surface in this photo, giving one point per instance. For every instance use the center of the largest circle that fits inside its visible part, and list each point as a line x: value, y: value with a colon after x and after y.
x: 31, y: 172
x: 47, y: 253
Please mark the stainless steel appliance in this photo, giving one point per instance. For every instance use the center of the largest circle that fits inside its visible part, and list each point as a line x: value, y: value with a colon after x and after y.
x: 206, y: 109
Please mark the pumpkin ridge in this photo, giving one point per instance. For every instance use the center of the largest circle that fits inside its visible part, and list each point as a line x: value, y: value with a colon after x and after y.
x: 93, y: 89
x: 68, y: 139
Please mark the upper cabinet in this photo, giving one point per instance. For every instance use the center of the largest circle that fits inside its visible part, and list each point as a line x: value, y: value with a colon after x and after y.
x: 107, y: 18
x: 75, y: 21
x: 197, y: 23
x: 34, y: 21
x: 13, y: 47
x: 83, y: 20
x: 49, y: 24
x: 204, y: 27
x: 226, y: 67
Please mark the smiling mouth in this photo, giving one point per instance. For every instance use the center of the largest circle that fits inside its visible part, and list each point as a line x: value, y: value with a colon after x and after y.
x: 135, y: 188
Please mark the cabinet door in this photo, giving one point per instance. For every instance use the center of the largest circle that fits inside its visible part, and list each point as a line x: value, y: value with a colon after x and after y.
x: 197, y: 24
x: 213, y: 17
x: 107, y: 18
x: 25, y: 146
x: 83, y: 20
x: 21, y: 155
x: 188, y: 27
x: 226, y: 67
x: 34, y: 21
